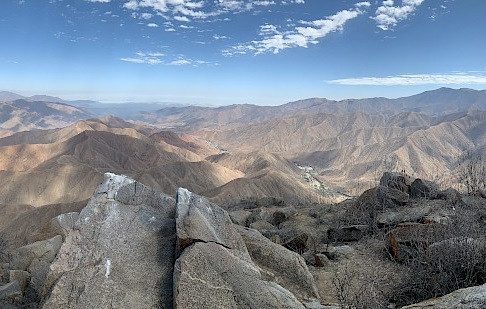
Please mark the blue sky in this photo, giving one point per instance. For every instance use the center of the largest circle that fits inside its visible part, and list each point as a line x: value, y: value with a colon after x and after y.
x: 240, y: 51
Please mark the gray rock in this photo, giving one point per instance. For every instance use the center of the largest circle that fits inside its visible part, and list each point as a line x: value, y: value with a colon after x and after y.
x: 21, y: 276
x: 208, y: 275
x: 45, y: 250
x: 274, y: 215
x: 119, y: 255
x: 451, y: 195
x: 388, y: 197
x: 316, y: 259
x: 198, y: 220
x: 286, y: 267
x: 423, y: 188
x: 408, y: 214
x: 10, y: 291
x: 240, y: 217
x: 38, y: 272
x: 299, y: 244
x: 262, y: 225
x: 468, y: 298
x: 348, y: 233
x: 339, y: 252
x: 397, y: 181
x: 63, y: 224
x: 437, y: 218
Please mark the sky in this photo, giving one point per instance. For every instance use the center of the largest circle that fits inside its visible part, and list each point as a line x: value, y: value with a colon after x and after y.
x: 219, y: 52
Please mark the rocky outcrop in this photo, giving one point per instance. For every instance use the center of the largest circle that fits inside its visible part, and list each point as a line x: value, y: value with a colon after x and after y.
x: 424, y: 189
x: 468, y: 298
x: 215, y: 269
x: 120, y: 253
x: 133, y: 247
x: 397, y: 181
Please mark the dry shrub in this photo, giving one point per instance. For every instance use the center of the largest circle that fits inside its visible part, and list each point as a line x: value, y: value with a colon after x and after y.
x: 356, y: 289
x: 444, y: 263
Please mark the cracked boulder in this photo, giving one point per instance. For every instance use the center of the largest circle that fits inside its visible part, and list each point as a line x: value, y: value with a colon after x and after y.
x: 215, y: 269
x: 120, y: 253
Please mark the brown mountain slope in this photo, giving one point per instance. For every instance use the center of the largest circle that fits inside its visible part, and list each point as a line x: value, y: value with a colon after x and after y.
x: 352, y: 149
x: 254, y: 162
x: 268, y: 183
x: 21, y: 115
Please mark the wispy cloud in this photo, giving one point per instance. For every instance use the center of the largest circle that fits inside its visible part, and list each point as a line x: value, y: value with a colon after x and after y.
x: 184, y: 10
x: 273, y: 40
x: 388, y: 14
x: 415, y: 79
x: 155, y: 58
x: 145, y: 58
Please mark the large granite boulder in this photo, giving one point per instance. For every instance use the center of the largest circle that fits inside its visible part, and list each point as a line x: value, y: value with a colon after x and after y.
x: 120, y: 253
x: 468, y: 298
x: 388, y: 197
x: 398, y: 181
x: 284, y: 266
x: 423, y: 188
x: 215, y: 269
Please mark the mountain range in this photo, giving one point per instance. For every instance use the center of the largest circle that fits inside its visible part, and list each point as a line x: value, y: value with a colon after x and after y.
x: 53, y: 154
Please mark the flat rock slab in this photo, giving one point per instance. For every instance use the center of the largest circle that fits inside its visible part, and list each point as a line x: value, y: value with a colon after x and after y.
x: 208, y: 275
x: 120, y: 253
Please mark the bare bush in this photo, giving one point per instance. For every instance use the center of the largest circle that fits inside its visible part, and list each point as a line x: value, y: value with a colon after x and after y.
x: 439, y: 263
x: 472, y: 171
x: 356, y: 290
x: 4, y: 248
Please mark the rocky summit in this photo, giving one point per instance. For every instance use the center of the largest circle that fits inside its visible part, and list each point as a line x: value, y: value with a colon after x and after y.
x: 134, y: 247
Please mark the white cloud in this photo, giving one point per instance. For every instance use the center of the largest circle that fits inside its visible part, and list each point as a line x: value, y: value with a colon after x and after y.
x: 158, y: 58
x: 414, y: 79
x: 293, y: 1
x: 152, y: 25
x: 101, y: 1
x: 219, y: 37
x: 145, y: 58
x: 181, y: 18
x: 275, y: 40
x: 179, y: 62
x: 388, y: 15
x: 197, y: 9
